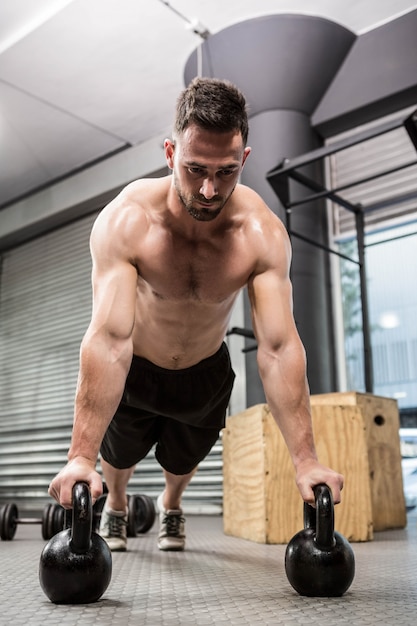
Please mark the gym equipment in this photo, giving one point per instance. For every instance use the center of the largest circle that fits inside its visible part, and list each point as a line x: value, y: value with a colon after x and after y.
x: 141, y: 514
x: 318, y: 561
x: 76, y: 564
x: 52, y: 520
x: 140, y: 517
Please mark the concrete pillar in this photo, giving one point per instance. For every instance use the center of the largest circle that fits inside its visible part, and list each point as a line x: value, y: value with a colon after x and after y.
x: 270, y: 131
x: 284, y: 64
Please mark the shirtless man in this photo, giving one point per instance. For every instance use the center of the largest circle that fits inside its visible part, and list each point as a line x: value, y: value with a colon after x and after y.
x: 170, y: 256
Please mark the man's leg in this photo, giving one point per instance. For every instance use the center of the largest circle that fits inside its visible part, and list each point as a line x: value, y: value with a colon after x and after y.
x: 174, y: 488
x: 114, y: 515
x: 116, y: 481
x: 171, y: 533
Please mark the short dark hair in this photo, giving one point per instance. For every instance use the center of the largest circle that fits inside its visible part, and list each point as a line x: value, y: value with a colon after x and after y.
x: 213, y: 104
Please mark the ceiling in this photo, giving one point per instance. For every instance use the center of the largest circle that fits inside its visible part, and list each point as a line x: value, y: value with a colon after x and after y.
x: 82, y: 79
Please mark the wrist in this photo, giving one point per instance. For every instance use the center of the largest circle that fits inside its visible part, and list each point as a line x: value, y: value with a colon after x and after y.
x: 81, y: 458
x: 300, y: 464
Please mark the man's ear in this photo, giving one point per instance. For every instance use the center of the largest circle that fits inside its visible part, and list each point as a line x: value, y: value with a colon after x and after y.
x: 169, y: 148
x: 246, y: 153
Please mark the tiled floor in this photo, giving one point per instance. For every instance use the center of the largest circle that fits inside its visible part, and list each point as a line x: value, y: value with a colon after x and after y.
x: 217, y: 580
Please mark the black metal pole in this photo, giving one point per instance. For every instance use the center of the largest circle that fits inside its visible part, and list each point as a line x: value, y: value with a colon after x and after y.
x: 367, y: 346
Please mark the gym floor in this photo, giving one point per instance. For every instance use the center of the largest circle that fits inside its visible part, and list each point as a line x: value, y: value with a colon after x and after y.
x: 217, y: 580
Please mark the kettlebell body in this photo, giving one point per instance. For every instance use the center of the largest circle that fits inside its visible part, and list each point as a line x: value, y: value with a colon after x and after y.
x: 76, y: 564
x: 318, y: 561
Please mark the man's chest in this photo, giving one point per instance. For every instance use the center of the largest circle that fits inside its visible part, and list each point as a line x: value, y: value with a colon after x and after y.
x: 204, y: 272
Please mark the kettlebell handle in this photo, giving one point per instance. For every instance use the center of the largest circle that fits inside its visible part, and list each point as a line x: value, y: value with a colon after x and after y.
x: 321, y: 518
x: 82, y: 518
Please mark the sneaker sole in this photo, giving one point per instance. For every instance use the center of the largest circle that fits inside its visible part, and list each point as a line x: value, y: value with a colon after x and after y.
x: 171, y: 548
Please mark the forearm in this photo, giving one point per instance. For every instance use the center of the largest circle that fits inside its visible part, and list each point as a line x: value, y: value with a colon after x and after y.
x: 283, y: 375
x: 104, y: 364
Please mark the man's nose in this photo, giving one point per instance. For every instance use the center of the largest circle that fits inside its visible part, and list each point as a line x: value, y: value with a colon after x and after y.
x: 208, y: 188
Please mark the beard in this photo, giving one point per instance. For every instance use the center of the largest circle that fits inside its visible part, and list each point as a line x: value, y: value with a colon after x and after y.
x: 201, y: 213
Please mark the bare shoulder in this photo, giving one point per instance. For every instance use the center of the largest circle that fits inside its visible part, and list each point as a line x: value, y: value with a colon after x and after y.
x: 128, y: 215
x: 264, y: 228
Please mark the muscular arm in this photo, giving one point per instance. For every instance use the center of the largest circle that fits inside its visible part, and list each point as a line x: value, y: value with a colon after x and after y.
x: 106, y: 354
x: 282, y: 365
x: 105, y: 357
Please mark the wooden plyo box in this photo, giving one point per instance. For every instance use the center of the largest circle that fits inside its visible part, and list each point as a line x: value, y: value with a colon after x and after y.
x: 381, y: 424
x: 261, y: 501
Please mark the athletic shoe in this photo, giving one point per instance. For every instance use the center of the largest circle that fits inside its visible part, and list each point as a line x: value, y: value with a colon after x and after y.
x: 113, y: 529
x: 171, y: 533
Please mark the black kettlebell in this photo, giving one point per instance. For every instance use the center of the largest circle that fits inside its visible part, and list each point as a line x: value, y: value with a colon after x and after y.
x: 75, y: 566
x: 318, y: 561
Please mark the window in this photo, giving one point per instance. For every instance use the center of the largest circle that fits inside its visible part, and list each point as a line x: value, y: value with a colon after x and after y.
x: 391, y: 263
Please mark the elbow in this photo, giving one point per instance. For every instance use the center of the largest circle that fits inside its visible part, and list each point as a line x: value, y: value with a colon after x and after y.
x: 121, y: 351
x: 109, y: 347
x: 289, y: 355
x: 266, y: 358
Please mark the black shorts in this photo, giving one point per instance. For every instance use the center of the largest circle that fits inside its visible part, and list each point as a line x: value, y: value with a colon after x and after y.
x: 181, y: 411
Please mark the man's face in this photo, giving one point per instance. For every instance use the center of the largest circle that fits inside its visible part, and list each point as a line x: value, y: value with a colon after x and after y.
x: 206, y: 168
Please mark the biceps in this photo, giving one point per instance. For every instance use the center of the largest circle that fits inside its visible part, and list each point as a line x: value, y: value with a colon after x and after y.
x: 272, y: 316
x: 114, y: 297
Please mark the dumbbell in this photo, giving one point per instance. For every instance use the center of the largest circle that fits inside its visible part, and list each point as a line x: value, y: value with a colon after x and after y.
x: 52, y: 520
x: 140, y: 517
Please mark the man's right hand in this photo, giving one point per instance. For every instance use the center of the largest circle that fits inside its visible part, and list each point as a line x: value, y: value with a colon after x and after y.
x: 79, y: 469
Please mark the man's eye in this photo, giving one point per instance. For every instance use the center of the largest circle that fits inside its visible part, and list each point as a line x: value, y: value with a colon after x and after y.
x: 227, y: 172
x: 195, y: 170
